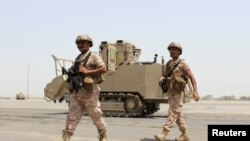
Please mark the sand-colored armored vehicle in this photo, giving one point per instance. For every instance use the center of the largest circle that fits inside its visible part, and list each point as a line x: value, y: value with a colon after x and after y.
x: 131, y: 87
x: 20, y: 96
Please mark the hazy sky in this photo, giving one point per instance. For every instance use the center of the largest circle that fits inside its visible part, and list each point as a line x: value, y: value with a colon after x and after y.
x: 215, y: 35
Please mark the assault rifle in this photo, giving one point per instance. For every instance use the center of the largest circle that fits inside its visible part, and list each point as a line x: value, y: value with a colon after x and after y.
x: 74, y: 78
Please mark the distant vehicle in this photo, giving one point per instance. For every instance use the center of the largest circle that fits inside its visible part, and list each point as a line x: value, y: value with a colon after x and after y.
x: 131, y: 87
x: 20, y: 96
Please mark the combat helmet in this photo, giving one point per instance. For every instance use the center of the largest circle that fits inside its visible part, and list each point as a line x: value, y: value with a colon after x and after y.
x: 84, y: 37
x: 176, y: 45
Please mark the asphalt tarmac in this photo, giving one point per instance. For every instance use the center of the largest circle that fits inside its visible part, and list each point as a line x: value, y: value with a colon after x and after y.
x: 39, y: 120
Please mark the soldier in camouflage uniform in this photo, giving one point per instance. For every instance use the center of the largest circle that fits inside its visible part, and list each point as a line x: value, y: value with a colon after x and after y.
x: 81, y: 102
x: 177, y: 82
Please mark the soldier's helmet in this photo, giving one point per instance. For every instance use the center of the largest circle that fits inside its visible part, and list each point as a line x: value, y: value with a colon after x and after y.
x: 176, y: 45
x: 84, y: 37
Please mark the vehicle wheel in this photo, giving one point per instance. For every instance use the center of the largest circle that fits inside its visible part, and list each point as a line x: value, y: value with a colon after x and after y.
x: 131, y: 104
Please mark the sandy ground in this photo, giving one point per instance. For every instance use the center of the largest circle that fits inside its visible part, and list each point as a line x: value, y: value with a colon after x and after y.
x: 39, y: 120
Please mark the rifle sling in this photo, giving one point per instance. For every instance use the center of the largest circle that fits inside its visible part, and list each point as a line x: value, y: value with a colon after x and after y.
x: 171, y: 71
x: 84, y: 64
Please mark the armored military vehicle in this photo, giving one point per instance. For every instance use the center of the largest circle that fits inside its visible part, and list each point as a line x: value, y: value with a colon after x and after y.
x: 131, y: 87
x: 20, y: 96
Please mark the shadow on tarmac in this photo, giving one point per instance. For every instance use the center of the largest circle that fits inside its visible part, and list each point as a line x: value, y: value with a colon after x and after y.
x: 147, y: 139
x: 143, y: 117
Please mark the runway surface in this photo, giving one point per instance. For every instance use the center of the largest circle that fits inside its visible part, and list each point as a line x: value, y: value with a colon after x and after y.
x: 39, y: 120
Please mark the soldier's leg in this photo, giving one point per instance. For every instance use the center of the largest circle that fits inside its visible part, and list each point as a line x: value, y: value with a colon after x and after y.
x: 172, y: 116
x: 181, y: 121
x: 96, y: 116
x: 74, y: 117
x: 182, y: 126
x: 172, y: 113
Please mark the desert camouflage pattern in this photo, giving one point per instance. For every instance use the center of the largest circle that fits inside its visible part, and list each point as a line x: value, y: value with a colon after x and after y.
x: 93, y: 62
x: 82, y: 102
x: 176, y: 98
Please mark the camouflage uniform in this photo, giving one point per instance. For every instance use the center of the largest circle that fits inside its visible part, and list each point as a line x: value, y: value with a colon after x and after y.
x: 176, y: 82
x: 176, y: 97
x: 81, y: 102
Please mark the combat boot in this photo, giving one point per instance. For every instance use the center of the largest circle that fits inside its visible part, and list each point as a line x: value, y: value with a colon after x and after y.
x: 162, y: 136
x: 103, y: 136
x: 66, y: 135
x: 184, y: 136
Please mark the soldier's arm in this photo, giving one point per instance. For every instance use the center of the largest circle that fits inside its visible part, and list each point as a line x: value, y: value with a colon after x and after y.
x: 99, y: 70
x: 188, y: 71
x: 193, y: 81
x: 98, y: 62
